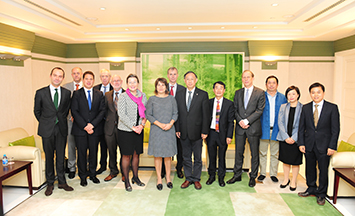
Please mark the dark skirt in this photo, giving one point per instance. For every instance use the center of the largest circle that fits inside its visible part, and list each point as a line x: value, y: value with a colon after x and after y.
x: 290, y: 154
x: 130, y: 142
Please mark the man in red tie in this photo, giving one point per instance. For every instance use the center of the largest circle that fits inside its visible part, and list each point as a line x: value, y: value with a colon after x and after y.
x: 76, y: 84
x: 221, y: 133
x: 173, y: 89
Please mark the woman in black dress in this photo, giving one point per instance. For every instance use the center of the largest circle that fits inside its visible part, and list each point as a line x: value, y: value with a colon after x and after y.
x: 288, y: 122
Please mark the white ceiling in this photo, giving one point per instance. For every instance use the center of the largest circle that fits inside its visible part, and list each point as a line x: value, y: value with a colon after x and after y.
x: 83, y: 21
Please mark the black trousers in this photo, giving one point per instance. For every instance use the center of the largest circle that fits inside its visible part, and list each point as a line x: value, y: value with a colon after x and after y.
x: 192, y: 169
x: 112, y: 144
x: 254, y: 142
x: 312, y: 157
x: 103, y: 150
x: 83, y: 143
x: 55, y: 143
x: 213, y: 142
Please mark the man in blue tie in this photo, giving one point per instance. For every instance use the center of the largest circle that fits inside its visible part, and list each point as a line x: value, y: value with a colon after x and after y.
x: 88, y: 110
x: 105, y: 86
x: 249, y: 103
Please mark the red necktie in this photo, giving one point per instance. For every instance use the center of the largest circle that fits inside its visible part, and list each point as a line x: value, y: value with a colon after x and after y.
x: 218, y: 112
x: 172, y: 91
x: 77, y: 86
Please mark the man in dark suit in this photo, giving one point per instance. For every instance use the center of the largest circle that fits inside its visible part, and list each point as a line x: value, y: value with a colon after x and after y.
x: 111, y: 120
x: 104, y: 87
x: 221, y: 133
x: 249, y: 103
x: 88, y: 110
x: 192, y: 127
x: 51, y: 109
x: 318, y: 134
x: 173, y: 89
x: 76, y: 84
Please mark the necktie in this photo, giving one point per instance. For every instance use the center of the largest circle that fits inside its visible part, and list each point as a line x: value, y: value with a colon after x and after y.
x: 56, y: 102
x: 246, y: 99
x: 116, y: 100
x: 77, y: 87
x: 104, y: 90
x: 189, y: 101
x: 89, y: 99
x: 315, y: 115
x: 172, y: 91
x: 218, y: 113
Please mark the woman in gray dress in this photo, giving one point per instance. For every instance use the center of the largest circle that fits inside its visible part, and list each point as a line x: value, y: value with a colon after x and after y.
x: 162, y: 113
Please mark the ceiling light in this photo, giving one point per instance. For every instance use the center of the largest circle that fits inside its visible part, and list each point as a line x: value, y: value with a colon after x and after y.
x: 189, y: 27
x: 222, y: 27
x: 255, y: 27
x: 102, y: 8
x: 275, y: 5
x: 127, y: 29
x: 158, y: 29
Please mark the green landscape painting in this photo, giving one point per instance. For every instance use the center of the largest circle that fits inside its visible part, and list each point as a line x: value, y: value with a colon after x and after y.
x: 209, y: 68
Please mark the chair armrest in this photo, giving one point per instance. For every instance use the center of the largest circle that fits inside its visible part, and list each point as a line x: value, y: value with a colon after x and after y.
x: 39, y: 144
x: 21, y: 152
x: 343, y: 160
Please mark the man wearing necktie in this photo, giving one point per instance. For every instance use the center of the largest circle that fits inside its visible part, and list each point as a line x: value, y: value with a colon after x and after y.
x: 174, y: 87
x: 105, y: 86
x: 76, y: 84
x: 221, y: 133
x: 88, y: 110
x: 318, y: 135
x: 110, y: 128
x: 51, y: 109
x: 249, y: 103
x: 192, y: 127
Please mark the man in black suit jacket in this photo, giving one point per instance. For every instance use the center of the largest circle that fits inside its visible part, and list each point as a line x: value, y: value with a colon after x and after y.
x: 318, y: 134
x: 173, y: 89
x: 104, y: 87
x: 221, y: 133
x: 88, y: 110
x: 249, y: 103
x: 111, y: 120
x: 51, y: 108
x: 192, y: 127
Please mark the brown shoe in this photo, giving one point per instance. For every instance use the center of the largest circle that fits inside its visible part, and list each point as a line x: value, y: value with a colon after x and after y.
x: 109, y: 177
x: 66, y: 187
x: 305, y: 194
x: 49, y: 190
x: 185, y: 184
x: 197, y: 185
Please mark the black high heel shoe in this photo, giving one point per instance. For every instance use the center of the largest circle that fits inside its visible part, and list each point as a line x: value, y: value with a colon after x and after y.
x: 283, y: 186
x: 128, y: 187
x: 293, y: 188
x: 160, y: 187
x: 170, y: 185
x: 138, y: 182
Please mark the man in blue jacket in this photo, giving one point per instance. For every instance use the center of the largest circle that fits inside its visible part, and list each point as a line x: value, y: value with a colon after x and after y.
x: 270, y: 129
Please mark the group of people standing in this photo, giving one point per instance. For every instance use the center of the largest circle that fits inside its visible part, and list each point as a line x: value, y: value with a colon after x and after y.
x: 181, y: 119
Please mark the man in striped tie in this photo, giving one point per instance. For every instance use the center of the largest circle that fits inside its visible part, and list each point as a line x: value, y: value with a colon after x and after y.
x: 221, y: 133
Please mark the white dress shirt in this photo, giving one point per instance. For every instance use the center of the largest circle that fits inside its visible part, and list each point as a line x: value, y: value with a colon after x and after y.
x: 80, y: 85
x: 187, y: 94
x: 103, y: 88
x: 86, y: 93
x: 174, y: 89
x: 52, y: 89
x: 320, y: 107
x: 272, y: 100
x: 213, y: 122
x: 114, y: 94
x: 250, y: 91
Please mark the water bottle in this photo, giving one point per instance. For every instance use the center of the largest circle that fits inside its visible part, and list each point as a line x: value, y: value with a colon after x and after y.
x: 5, y: 161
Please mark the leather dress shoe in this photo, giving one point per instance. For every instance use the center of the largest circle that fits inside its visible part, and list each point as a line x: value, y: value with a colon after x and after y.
x: 95, y: 180
x: 66, y: 187
x: 180, y: 174
x: 109, y: 177
x: 261, y: 178
x: 49, y: 190
x: 283, y: 186
x: 210, y: 180
x: 320, y: 200
x: 252, y: 182
x: 138, y: 182
x: 234, y: 179
x: 305, y: 194
x: 186, y: 184
x: 169, y: 185
x: 101, y: 170
x: 274, y: 179
x: 160, y: 187
x: 71, y: 175
x: 198, y: 185
x: 83, y: 182
x: 221, y: 182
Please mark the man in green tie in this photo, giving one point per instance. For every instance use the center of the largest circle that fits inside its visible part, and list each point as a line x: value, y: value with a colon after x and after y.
x: 51, y: 110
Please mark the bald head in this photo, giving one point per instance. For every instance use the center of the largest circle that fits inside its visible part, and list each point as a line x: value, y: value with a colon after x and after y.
x: 77, y: 74
x: 116, y: 82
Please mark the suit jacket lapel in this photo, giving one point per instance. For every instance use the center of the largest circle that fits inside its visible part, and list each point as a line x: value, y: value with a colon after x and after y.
x: 324, y: 109
x: 223, y: 107
x: 194, y: 98
x: 49, y: 97
x: 110, y: 101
